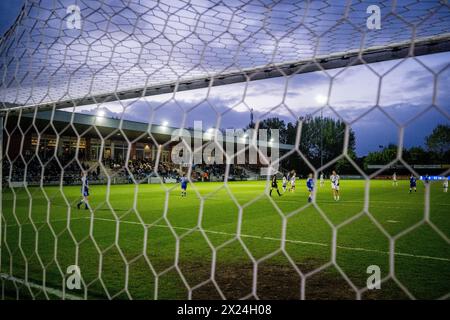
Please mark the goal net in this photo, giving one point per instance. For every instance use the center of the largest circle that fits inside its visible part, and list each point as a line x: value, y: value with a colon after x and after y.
x: 108, y: 108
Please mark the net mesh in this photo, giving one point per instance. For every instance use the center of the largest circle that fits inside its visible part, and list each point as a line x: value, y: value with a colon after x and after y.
x: 122, y: 47
x: 132, y: 49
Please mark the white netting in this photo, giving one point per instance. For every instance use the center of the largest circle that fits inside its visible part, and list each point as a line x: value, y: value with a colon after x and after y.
x: 126, y: 51
x: 125, y: 46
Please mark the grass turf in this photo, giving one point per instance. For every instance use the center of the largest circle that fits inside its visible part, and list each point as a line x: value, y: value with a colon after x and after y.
x: 144, y: 241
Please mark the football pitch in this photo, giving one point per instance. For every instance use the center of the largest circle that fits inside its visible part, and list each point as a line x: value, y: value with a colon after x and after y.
x: 146, y: 242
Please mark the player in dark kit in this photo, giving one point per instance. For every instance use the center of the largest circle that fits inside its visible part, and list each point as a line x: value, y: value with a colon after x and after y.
x: 274, y: 185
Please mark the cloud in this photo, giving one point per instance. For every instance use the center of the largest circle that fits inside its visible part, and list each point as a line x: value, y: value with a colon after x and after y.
x: 353, y: 93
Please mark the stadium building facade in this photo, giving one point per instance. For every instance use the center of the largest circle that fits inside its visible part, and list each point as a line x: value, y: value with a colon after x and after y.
x: 98, y: 139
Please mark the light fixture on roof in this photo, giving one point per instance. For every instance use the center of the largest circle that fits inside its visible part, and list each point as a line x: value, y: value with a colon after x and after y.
x: 165, y: 123
x: 321, y: 99
x: 101, y: 113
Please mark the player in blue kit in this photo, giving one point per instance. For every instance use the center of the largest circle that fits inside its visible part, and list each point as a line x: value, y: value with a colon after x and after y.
x: 412, y: 184
x: 84, y: 192
x: 183, y: 182
x: 310, y: 186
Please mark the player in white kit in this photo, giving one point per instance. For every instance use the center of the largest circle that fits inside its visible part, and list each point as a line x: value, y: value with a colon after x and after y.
x: 84, y: 192
x: 284, y: 185
x: 292, y: 188
x: 335, y: 185
x: 394, y: 180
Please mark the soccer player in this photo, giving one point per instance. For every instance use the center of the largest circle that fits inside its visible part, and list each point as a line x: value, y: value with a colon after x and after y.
x: 284, y: 185
x: 274, y: 185
x: 335, y: 185
x: 183, y: 182
x: 310, y: 186
x: 292, y: 180
x: 394, y: 180
x: 84, y: 192
x: 445, y: 184
x: 322, y: 181
x: 427, y: 179
x: 412, y: 184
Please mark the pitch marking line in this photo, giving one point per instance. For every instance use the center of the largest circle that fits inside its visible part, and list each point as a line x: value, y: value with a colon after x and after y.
x: 287, y: 240
x: 51, y: 291
x: 252, y: 237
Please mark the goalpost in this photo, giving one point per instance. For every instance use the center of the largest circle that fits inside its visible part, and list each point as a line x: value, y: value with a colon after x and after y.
x: 72, y: 56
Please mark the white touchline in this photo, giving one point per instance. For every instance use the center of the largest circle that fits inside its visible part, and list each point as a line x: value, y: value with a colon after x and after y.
x: 278, y: 239
x: 250, y: 236
x: 51, y: 291
x: 61, y: 294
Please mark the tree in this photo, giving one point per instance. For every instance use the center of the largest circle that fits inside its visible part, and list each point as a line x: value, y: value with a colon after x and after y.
x: 384, y: 156
x: 439, y: 140
x: 274, y: 123
x: 322, y: 139
x: 417, y: 155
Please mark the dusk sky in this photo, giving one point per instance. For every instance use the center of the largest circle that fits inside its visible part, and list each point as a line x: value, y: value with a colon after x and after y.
x: 405, y: 93
x: 406, y: 87
x: 9, y: 10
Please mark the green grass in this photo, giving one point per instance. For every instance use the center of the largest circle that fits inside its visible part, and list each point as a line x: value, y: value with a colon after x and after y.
x: 129, y: 246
